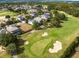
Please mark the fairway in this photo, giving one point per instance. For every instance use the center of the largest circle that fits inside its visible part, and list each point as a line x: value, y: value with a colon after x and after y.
x: 38, y: 45
x: 4, y: 13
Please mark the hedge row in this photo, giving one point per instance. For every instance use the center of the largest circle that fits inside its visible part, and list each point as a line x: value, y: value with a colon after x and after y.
x: 71, y: 49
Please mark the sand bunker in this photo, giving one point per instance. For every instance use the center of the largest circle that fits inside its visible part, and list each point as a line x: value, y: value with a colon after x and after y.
x: 44, y: 34
x: 26, y: 43
x: 57, y: 47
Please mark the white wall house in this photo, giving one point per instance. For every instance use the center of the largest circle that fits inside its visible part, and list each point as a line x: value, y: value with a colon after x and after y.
x: 32, y: 14
x: 6, y: 19
x: 30, y: 22
x: 2, y: 31
x: 37, y: 19
x: 20, y: 18
x: 44, y: 17
x: 44, y: 6
x: 3, y: 19
x: 12, y: 29
x: 31, y: 10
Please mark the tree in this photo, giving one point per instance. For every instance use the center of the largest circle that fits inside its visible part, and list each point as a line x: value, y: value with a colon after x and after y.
x: 2, y: 25
x: 6, y: 39
x: 40, y: 12
x: 55, y: 22
x: 3, y: 39
x: 28, y: 17
x: 9, y: 22
x: 75, y: 13
x: 14, y: 20
x: 35, y: 25
x: 11, y: 48
x: 55, y: 12
x: 7, y: 16
x: 61, y: 16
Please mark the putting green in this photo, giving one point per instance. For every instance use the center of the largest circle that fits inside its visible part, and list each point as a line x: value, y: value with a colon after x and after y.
x: 38, y: 47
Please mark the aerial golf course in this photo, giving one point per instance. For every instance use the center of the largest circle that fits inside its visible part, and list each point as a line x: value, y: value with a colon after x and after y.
x: 39, y: 46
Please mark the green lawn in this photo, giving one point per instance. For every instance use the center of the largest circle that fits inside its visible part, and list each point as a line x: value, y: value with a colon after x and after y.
x: 5, y: 55
x: 4, y: 13
x: 38, y: 46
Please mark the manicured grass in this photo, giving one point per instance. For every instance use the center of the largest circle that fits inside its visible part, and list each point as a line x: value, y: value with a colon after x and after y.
x: 5, y: 55
x: 38, y: 46
x: 4, y: 13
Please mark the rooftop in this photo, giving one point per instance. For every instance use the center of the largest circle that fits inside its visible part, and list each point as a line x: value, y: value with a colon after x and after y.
x: 25, y: 27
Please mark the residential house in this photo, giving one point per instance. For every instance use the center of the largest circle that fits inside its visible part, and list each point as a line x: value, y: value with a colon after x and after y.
x: 3, y: 20
x: 32, y: 14
x: 44, y: 6
x: 32, y: 10
x: 6, y: 20
x: 3, y: 31
x: 13, y: 29
x: 44, y: 10
x: 20, y: 18
x: 45, y: 16
x: 30, y: 21
x: 38, y: 7
x: 37, y: 19
x: 24, y: 27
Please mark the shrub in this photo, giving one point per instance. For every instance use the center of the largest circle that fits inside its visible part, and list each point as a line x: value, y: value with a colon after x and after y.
x: 6, y: 39
x: 7, y: 16
x: 71, y: 48
x: 11, y: 48
x: 35, y: 25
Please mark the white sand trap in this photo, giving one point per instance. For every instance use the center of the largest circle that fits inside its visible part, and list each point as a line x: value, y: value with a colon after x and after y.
x: 57, y: 47
x: 26, y: 43
x: 44, y: 34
